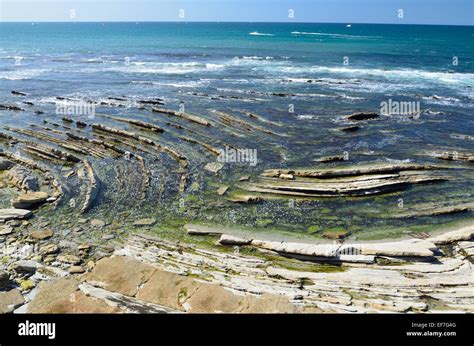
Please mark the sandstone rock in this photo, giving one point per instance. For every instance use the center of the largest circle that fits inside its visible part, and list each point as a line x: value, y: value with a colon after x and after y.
x: 84, y: 247
x: 76, y: 270
x: 30, y: 200
x: 41, y: 234
x: 97, y: 223
x: 145, y: 222
x: 120, y: 274
x: 404, y: 248
x: 6, y: 230
x: 222, y: 190
x: 27, y: 266
x: 214, y: 167
x: 465, y: 233
x: 10, y: 300
x: 70, y: 259
x: 124, y: 303
x: 231, y: 240
x: 49, y: 249
x: 168, y: 289
x: 13, y: 214
x: 62, y: 296
x: 287, y: 176
x: 23, y: 178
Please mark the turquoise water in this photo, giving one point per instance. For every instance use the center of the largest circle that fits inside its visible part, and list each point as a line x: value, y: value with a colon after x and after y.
x: 244, y: 66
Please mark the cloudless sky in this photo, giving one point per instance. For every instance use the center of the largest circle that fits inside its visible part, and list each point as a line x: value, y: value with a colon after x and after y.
x: 454, y: 12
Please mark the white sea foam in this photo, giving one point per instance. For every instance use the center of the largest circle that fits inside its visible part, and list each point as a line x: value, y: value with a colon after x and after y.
x: 21, y: 74
x: 255, y: 33
x: 400, y: 74
x: 167, y: 68
x: 331, y: 35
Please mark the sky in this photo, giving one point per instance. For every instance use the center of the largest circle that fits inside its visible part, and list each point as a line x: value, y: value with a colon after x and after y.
x: 445, y: 12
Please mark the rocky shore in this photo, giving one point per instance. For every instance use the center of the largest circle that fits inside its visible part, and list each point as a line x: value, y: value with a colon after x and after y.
x: 145, y: 274
x: 93, y: 216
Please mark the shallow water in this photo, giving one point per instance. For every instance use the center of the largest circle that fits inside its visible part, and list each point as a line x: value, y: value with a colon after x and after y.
x: 245, y: 66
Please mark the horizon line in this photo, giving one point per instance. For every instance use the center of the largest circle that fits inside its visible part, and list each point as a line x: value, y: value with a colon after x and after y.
x: 218, y: 22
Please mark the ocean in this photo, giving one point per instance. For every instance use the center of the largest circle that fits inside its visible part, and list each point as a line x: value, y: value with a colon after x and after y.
x: 306, y: 77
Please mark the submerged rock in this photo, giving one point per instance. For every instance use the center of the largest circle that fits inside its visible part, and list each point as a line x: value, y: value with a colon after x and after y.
x: 11, y: 108
x: 333, y: 158
x: 362, y: 116
x: 5, y: 164
x: 214, y: 167
x: 222, y: 190
x: 350, y: 128
x: 19, y: 93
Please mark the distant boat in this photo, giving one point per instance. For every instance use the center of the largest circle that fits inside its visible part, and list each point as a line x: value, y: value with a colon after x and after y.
x: 348, y: 25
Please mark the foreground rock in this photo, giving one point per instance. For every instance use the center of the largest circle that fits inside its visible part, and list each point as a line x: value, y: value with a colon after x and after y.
x: 30, y: 200
x: 10, y: 300
x: 465, y: 233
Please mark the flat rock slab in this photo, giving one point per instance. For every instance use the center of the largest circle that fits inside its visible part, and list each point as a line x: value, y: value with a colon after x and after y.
x: 404, y: 248
x: 63, y: 296
x: 10, y: 300
x: 120, y: 274
x: 14, y: 214
x: 201, y: 230
x: 407, y: 248
x: 41, y: 234
x: 145, y: 222
x: 70, y: 259
x: 27, y: 266
x: 30, y: 200
x: 465, y: 233
x: 97, y: 223
x: 6, y: 230
x: 231, y: 240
